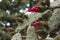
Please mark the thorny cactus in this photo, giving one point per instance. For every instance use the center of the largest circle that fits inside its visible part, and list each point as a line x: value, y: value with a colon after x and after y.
x: 55, y: 19
x: 31, y: 34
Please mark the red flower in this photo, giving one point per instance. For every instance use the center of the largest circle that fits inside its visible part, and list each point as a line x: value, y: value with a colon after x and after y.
x: 37, y: 23
x: 33, y: 9
x: 29, y: 10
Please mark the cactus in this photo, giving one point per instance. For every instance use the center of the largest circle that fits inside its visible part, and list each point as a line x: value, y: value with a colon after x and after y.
x: 54, y: 20
x: 17, y: 36
x: 31, y: 34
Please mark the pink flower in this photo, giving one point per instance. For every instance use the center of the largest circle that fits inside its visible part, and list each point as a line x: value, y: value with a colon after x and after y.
x: 33, y: 9
x: 35, y: 24
x: 29, y: 10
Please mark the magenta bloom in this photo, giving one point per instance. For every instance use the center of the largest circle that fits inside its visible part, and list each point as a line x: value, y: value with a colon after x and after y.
x: 33, y: 9
x: 29, y: 10
x: 35, y: 24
